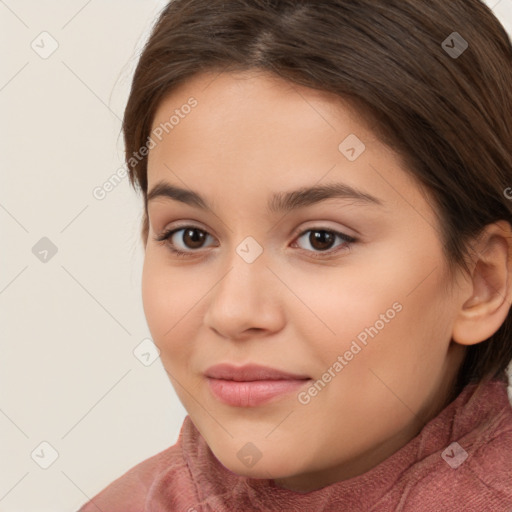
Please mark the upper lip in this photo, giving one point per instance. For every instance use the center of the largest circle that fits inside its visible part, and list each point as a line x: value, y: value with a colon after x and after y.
x: 250, y: 372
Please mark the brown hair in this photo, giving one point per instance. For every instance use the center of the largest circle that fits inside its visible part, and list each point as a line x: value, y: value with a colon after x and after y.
x: 449, y: 116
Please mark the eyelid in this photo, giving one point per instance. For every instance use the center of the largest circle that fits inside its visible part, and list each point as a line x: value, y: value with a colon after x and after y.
x: 348, y: 240
x: 167, y: 233
x: 321, y: 226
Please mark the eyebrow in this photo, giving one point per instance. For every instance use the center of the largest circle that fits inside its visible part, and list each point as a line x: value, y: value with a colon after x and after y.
x: 280, y: 202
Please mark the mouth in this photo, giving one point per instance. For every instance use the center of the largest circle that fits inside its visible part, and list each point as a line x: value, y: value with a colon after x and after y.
x: 251, y: 385
x: 252, y: 393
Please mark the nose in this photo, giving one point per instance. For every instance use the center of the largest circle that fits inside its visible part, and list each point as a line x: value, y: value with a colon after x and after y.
x: 246, y: 301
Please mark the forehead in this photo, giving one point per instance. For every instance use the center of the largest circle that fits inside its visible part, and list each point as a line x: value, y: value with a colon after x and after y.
x: 253, y: 91
x: 255, y: 130
x: 253, y: 115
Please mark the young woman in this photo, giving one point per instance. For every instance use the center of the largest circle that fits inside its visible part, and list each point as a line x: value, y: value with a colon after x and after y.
x: 328, y: 255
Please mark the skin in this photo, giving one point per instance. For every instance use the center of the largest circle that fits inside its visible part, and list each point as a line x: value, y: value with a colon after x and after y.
x: 252, y: 135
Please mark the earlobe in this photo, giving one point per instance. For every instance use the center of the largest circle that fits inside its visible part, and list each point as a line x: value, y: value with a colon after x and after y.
x: 487, y: 307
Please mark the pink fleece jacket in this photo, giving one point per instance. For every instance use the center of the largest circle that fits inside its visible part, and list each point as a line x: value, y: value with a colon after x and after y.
x: 460, y: 461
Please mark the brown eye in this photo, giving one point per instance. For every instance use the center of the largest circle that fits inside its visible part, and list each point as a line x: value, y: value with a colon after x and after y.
x: 188, y: 240
x: 184, y: 241
x: 323, y: 240
x: 193, y: 238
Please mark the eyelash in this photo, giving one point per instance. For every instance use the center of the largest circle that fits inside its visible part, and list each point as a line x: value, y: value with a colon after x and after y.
x: 167, y: 234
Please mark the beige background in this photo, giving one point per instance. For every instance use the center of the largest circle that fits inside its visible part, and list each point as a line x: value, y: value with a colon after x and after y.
x: 69, y: 326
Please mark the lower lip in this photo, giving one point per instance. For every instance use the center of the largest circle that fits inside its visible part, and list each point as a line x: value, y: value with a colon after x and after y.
x: 251, y: 394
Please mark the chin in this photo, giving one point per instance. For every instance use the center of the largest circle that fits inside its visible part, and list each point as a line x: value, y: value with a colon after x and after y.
x: 262, y: 469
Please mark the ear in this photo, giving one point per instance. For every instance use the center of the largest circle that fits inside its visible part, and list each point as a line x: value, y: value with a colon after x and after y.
x: 488, y: 293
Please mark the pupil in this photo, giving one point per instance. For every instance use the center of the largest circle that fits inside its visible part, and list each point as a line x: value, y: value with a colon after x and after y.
x: 196, y: 240
x: 321, y: 238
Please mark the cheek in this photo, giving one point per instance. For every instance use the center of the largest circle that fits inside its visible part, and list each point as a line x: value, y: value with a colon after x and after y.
x: 392, y: 360
x: 169, y: 298
x: 390, y: 313
x: 338, y: 305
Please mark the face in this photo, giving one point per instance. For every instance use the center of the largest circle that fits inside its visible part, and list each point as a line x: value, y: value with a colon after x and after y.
x: 345, y: 288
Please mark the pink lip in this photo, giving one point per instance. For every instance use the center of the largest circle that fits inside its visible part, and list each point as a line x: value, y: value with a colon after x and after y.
x: 250, y: 372
x: 251, y: 385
